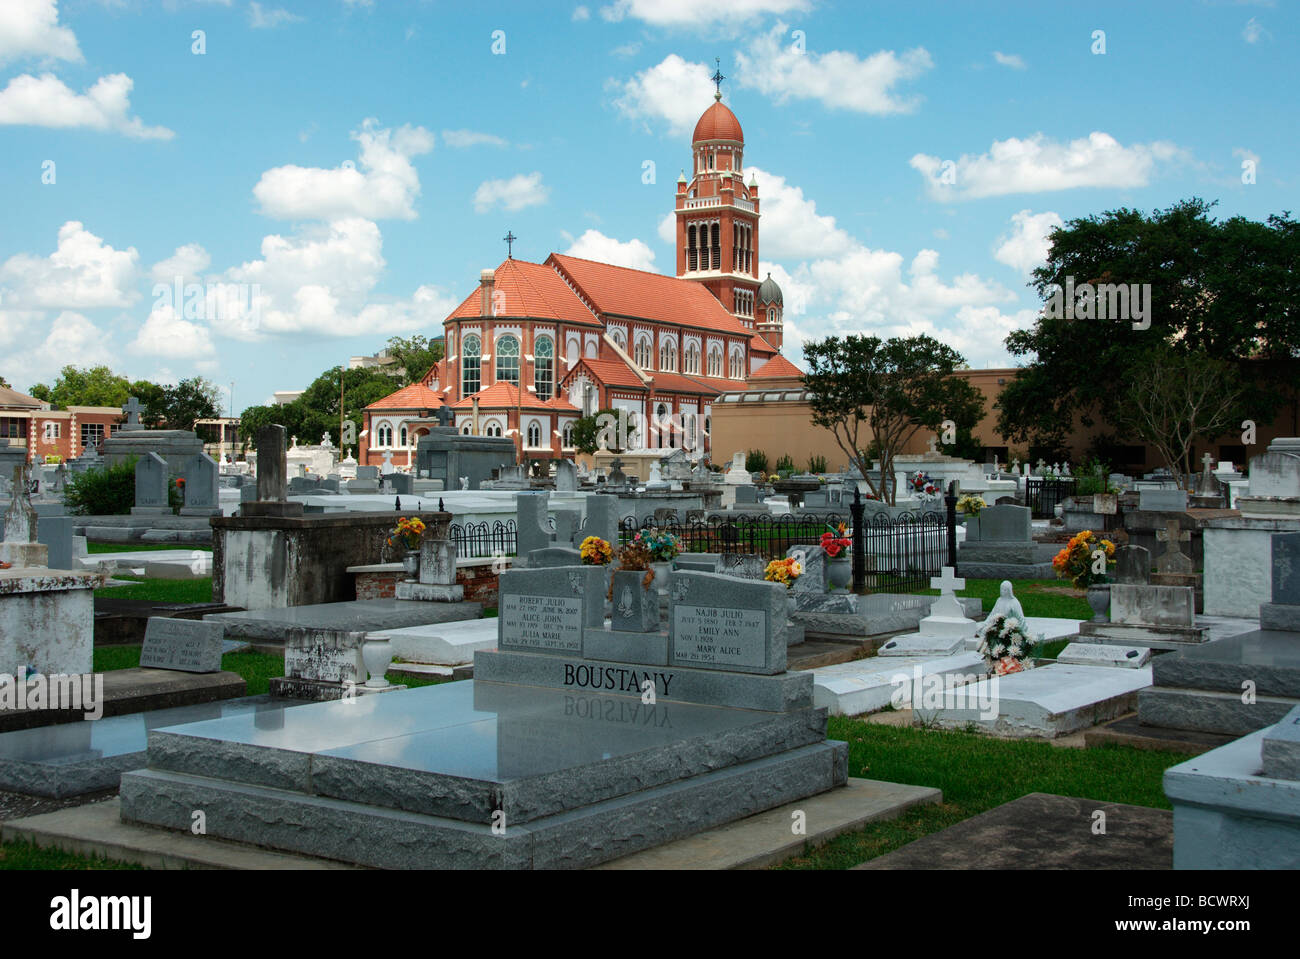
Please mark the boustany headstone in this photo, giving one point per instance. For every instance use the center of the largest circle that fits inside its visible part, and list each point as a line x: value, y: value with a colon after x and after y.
x: 185, y: 645
x: 151, y: 486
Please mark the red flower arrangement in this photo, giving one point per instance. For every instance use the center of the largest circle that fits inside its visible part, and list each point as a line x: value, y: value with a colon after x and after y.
x: 835, y: 542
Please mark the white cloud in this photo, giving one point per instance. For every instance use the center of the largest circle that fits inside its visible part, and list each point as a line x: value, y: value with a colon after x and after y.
x: 471, y: 138
x: 627, y: 49
x: 83, y: 272
x: 163, y: 333
x: 1038, y: 164
x: 791, y: 225
x: 262, y: 18
x: 187, y: 262
x: 30, y: 28
x: 594, y: 245
x: 45, y: 101
x: 581, y: 13
x: 666, y: 13
x: 384, y: 187
x: 1253, y: 31
x: 1026, y: 246
x: 322, y: 280
x: 667, y: 228
x: 1012, y: 60
x: 674, y: 90
x: 837, y: 79
x: 521, y: 190
x: 71, y: 338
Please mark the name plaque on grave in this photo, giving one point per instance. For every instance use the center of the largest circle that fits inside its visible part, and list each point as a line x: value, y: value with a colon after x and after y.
x: 181, y: 644
x: 545, y: 623
x: 719, y: 636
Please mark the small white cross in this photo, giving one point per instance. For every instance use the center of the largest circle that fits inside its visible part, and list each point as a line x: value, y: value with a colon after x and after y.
x: 1207, y: 459
x: 948, y: 582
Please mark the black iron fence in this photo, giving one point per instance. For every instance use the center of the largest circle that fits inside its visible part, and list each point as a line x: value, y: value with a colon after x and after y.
x: 1043, y: 495
x: 480, y: 540
x: 759, y: 534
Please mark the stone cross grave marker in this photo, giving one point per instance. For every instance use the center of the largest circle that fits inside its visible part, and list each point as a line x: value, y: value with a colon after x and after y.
x: 132, y: 409
x: 1173, y: 560
x: 186, y: 645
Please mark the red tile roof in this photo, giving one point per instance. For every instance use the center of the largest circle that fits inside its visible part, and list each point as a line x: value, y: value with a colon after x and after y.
x: 759, y: 345
x: 777, y: 366
x: 676, y: 383
x: 417, y: 396
x: 530, y: 290
x: 561, y: 404
x: 617, y: 290
x: 717, y: 123
x: 608, y: 373
x: 501, y: 396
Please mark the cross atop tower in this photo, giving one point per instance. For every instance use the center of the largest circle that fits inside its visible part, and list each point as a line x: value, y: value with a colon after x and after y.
x: 510, y: 244
x: 717, y: 78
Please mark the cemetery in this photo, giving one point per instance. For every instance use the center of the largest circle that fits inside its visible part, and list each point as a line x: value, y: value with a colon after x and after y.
x: 639, y: 658
x: 595, y: 558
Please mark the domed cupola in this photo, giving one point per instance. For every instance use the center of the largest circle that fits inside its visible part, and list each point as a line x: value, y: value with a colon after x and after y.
x: 769, y: 291
x: 771, y: 327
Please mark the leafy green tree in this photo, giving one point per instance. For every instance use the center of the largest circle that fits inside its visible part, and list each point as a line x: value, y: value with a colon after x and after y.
x: 5, y: 383
x: 1228, y: 288
x: 866, y: 389
x: 416, y: 355
x: 154, y: 400
x: 92, y: 386
x: 316, y: 412
x: 587, y: 431
x: 189, y: 400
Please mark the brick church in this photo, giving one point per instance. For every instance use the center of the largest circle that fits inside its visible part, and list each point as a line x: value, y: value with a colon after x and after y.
x: 538, y: 345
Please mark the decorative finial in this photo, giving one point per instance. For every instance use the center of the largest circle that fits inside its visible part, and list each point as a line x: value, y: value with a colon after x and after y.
x: 510, y: 245
x: 717, y: 78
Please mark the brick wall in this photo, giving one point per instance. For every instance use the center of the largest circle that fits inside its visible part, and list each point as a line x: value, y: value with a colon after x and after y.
x: 477, y: 576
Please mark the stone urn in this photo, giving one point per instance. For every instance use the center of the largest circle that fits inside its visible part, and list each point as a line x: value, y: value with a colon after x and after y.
x: 411, y: 564
x: 840, y: 571
x: 1099, y: 600
x: 377, y: 654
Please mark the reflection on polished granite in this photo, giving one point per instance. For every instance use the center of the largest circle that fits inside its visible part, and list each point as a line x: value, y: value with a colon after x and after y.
x: 67, y: 743
x: 478, y: 730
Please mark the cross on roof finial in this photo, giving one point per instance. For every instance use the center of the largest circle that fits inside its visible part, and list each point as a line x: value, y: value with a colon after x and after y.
x: 717, y: 78
x: 510, y: 245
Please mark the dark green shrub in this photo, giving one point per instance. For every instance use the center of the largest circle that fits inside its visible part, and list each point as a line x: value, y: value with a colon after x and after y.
x: 756, y: 461
x: 103, y: 491
x: 785, y: 465
x: 816, y: 464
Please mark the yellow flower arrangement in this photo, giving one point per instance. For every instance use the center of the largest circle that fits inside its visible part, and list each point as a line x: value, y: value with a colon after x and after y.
x: 784, y: 571
x: 1076, y: 562
x: 595, y: 551
x: 408, y: 532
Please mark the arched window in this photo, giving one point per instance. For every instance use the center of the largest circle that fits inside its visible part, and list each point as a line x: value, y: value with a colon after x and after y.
x: 471, y: 366
x: 619, y: 338
x: 771, y: 315
x: 692, y: 359
x: 736, y: 366
x: 493, y: 428
x: 508, y: 360
x: 403, y: 444
x: 450, y: 349
x: 384, y: 436
x: 534, y: 434
x: 715, y: 362
x: 643, y: 356
x: 464, y: 430
x: 544, y: 367
x: 668, y: 357
x: 568, y: 436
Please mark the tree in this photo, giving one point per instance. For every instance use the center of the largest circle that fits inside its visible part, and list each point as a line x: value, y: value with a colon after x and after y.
x: 153, y: 398
x: 1229, y: 288
x: 416, y: 355
x: 190, y: 400
x: 865, y: 390
x: 1179, y: 395
x: 316, y: 412
x: 587, y: 432
x: 5, y: 383
x: 93, y: 386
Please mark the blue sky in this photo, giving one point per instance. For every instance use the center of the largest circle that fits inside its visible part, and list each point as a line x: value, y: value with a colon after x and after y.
x: 328, y: 174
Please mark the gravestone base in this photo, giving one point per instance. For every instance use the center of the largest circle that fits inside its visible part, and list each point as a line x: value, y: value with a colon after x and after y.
x: 1280, y: 616
x: 1194, y: 580
x: 25, y: 555
x: 274, y: 509
x: 200, y: 511
x: 982, y: 570
x: 621, y: 646
x: 428, y: 592
x: 151, y: 511
x: 1154, y: 637
x: 322, y: 691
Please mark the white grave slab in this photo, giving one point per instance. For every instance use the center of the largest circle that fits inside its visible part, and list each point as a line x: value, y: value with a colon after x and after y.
x: 866, y: 685
x: 920, y: 644
x: 442, y: 644
x: 1046, y: 702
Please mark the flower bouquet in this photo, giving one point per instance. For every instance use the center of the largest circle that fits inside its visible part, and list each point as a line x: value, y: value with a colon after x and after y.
x: 1077, y: 563
x: 662, y: 545
x: 923, y: 486
x: 595, y: 551
x: 633, y: 557
x: 1005, y: 645
x: 407, y: 533
x: 834, y: 542
x: 784, y: 571
x: 970, y: 504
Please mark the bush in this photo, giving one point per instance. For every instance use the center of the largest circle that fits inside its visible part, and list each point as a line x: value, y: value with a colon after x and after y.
x: 816, y: 464
x: 756, y: 461
x: 784, y: 466
x: 103, y: 491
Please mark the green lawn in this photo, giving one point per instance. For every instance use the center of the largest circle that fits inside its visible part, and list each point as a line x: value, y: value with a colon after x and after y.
x: 25, y: 855
x: 160, y: 590
x: 977, y: 773
x: 1054, y: 598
